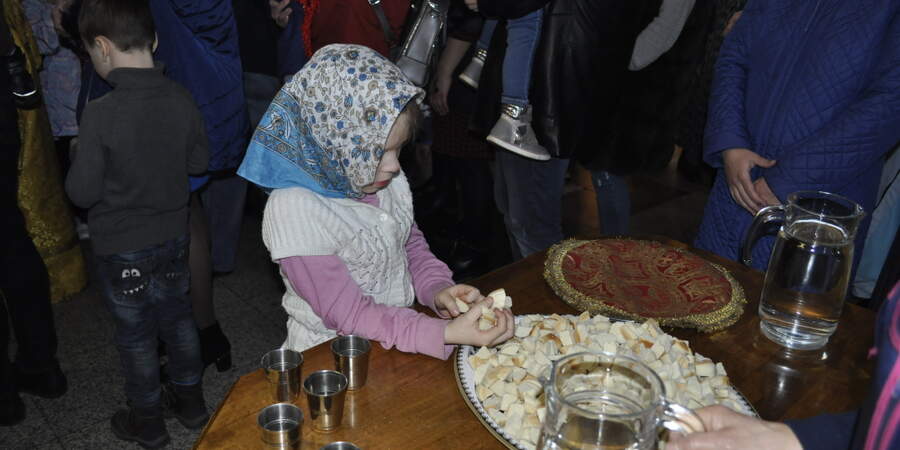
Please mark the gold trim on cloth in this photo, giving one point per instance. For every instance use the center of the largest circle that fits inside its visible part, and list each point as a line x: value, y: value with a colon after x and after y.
x: 41, y: 196
x: 715, y: 320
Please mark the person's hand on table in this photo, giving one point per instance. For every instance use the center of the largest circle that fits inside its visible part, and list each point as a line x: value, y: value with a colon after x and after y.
x: 738, y: 164
x: 729, y: 430
x: 464, y: 329
x: 472, y: 4
x: 445, y: 299
x: 280, y: 12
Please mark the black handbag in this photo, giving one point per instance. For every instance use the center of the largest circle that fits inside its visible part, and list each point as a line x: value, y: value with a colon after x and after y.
x: 424, y: 33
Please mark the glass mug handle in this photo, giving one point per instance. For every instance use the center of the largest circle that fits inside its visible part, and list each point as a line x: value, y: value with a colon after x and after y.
x: 680, y: 419
x: 763, y: 217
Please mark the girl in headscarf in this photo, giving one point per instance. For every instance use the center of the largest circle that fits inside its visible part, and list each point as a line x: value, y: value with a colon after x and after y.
x: 339, y: 220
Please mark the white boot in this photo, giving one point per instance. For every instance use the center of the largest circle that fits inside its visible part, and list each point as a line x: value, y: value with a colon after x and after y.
x: 472, y: 73
x: 513, y: 132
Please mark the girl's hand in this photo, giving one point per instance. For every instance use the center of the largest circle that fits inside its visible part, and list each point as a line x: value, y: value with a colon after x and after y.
x: 445, y: 299
x: 464, y: 329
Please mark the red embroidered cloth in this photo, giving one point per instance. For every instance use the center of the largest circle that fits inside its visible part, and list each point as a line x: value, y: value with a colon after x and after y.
x: 644, y: 279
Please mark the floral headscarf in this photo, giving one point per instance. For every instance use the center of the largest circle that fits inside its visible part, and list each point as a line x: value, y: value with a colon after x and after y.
x: 326, y: 128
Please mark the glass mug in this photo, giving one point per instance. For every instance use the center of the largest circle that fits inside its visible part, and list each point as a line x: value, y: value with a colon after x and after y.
x: 601, y: 400
x: 809, y: 270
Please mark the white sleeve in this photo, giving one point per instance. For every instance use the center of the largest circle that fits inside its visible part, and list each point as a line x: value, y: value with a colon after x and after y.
x: 661, y: 34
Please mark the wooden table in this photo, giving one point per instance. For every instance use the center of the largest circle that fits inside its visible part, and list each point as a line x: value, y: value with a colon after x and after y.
x: 412, y: 401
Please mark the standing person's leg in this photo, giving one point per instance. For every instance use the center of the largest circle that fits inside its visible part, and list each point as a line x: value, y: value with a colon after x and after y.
x: 884, y: 225
x: 504, y: 188
x: 25, y: 289
x: 533, y: 201
x: 214, y: 345
x: 223, y: 201
x: 126, y: 281
x: 613, y: 202
x: 178, y: 331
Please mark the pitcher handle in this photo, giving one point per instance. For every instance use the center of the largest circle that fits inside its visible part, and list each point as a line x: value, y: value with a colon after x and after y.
x: 681, y: 419
x: 763, y: 217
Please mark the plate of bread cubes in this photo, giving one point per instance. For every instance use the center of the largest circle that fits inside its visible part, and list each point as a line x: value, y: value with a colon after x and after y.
x: 500, y: 384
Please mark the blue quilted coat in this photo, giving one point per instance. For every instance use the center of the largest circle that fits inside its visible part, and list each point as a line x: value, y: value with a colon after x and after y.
x: 814, y: 85
x: 198, y: 42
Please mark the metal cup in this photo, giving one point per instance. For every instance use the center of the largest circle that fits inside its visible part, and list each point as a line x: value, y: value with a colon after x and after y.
x: 325, y: 391
x: 280, y: 426
x: 340, y: 446
x: 282, y: 368
x: 351, y: 358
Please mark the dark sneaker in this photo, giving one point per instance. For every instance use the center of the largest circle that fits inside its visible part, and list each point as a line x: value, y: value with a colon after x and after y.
x: 513, y: 132
x: 22, y: 85
x: 49, y: 384
x: 472, y: 74
x: 12, y: 410
x: 186, y: 403
x: 144, y: 426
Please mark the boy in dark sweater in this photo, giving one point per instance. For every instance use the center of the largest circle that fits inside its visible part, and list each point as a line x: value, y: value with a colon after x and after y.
x: 137, y: 145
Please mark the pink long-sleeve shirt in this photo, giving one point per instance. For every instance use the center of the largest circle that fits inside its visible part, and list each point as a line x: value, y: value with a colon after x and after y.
x: 325, y: 283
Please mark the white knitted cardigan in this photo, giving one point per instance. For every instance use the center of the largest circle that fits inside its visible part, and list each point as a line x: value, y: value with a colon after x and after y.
x: 370, y: 240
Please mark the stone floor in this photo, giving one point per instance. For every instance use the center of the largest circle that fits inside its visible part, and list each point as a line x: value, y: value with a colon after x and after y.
x: 248, y: 307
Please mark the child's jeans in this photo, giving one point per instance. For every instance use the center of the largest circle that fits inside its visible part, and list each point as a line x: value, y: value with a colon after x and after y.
x: 523, y: 35
x: 147, y: 293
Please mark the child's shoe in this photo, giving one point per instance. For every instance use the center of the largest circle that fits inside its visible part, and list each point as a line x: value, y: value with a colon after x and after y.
x: 24, y: 93
x: 472, y: 73
x: 142, y: 425
x: 188, y: 405
x: 513, y: 132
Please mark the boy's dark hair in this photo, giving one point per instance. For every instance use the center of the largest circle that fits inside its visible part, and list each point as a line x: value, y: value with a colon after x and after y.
x: 127, y: 23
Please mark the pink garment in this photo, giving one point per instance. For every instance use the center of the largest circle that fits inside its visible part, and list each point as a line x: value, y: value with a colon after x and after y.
x: 325, y: 283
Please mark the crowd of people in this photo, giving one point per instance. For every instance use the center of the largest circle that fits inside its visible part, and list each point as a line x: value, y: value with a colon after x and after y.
x: 138, y: 124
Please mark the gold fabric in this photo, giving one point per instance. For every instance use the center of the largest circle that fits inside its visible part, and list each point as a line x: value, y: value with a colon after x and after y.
x: 42, y: 199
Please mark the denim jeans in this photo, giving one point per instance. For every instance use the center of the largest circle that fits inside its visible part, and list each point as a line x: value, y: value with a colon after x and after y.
x: 613, y: 202
x: 529, y: 195
x: 884, y: 225
x: 147, y: 293
x: 523, y: 35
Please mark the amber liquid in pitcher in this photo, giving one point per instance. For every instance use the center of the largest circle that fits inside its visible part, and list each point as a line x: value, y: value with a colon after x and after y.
x: 805, y: 284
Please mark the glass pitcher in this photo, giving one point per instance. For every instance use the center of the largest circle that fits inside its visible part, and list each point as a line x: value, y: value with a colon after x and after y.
x: 600, y: 400
x: 809, y: 269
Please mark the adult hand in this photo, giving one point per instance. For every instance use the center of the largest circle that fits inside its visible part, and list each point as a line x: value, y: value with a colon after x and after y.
x: 464, y: 329
x: 729, y: 430
x: 738, y: 163
x: 765, y: 192
x: 733, y: 20
x: 445, y: 299
x: 280, y: 12
x: 438, y: 97
x: 472, y: 4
